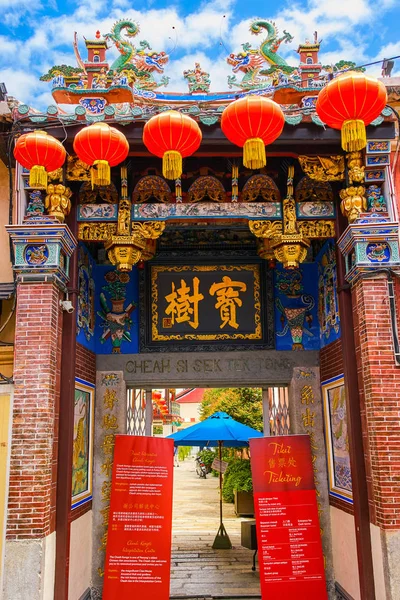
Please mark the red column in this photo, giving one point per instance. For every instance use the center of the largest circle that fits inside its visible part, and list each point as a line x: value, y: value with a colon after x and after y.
x: 379, y: 380
x: 33, y: 468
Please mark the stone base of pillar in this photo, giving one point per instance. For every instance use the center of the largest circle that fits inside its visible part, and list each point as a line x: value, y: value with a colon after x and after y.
x: 306, y: 416
x: 29, y: 569
x: 388, y: 586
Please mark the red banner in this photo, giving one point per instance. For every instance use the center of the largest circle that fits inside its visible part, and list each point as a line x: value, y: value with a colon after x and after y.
x: 288, y: 532
x: 138, y: 553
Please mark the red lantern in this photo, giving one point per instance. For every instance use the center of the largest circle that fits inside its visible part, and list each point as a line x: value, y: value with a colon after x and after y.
x: 101, y: 146
x: 41, y: 154
x: 350, y: 102
x: 172, y: 135
x: 252, y: 123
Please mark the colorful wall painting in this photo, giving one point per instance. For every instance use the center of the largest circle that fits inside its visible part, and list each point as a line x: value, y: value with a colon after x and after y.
x: 378, y: 252
x: 336, y: 438
x: 315, y: 210
x: 116, y: 311
x: 296, y: 322
x: 86, y: 298
x: 82, y: 453
x: 328, y: 302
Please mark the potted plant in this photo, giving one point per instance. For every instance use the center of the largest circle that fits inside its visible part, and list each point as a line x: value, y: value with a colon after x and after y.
x: 238, y: 486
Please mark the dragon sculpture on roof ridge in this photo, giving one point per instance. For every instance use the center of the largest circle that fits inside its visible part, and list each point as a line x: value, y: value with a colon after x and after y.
x: 252, y: 61
x: 142, y: 64
x: 135, y: 64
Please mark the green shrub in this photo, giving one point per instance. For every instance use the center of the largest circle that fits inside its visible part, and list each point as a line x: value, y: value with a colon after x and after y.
x: 237, y: 477
x: 183, y: 452
x: 207, y: 456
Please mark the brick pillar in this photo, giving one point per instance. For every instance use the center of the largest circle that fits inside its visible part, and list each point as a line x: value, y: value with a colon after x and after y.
x: 379, y: 383
x: 30, y: 545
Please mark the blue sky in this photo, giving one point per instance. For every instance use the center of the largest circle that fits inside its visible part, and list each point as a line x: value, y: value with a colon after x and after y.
x: 37, y: 34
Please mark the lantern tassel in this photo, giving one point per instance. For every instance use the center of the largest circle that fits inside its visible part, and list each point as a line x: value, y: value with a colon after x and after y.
x: 172, y: 164
x: 354, y: 135
x: 38, y: 177
x: 101, y: 173
x: 254, y: 154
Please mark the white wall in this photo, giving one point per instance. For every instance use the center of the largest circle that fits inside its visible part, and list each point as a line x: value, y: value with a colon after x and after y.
x: 80, y: 556
x: 190, y: 410
x: 344, y: 550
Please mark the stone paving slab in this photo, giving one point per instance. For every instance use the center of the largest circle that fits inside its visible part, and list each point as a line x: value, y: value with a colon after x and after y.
x: 197, y: 571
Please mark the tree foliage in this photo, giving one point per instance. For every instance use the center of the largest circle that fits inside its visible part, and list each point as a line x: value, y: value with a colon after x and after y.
x: 242, y: 404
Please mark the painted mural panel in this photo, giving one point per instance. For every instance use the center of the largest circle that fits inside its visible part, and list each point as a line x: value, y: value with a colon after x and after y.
x: 82, y: 454
x: 116, y: 311
x: 328, y: 302
x: 337, y: 440
x: 86, y: 298
x: 296, y: 321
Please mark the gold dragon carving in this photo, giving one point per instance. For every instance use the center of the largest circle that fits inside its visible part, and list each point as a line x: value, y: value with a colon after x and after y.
x: 323, y: 168
x: 77, y: 170
x: 265, y: 229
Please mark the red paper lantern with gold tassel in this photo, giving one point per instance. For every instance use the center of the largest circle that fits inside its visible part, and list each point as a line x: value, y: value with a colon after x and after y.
x: 252, y: 123
x: 349, y: 103
x: 41, y: 154
x: 101, y: 147
x: 172, y: 136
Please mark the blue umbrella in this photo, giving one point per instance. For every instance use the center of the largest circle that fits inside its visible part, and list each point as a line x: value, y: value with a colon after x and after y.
x: 219, y: 429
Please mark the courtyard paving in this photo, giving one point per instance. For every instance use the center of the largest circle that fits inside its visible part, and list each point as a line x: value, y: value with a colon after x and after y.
x: 198, y: 571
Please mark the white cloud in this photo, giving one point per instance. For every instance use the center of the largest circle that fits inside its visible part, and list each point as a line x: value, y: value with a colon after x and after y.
x: 21, y: 85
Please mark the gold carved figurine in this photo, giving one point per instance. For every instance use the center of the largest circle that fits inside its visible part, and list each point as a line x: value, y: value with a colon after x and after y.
x: 291, y: 247
x: 355, y: 167
x: 58, y: 201
x: 96, y: 232
x: 353, y: 202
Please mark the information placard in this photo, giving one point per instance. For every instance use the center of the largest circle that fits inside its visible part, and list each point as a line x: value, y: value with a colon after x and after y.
x: 288, y: 531
x: 138, y: 555
x: 219, y: 465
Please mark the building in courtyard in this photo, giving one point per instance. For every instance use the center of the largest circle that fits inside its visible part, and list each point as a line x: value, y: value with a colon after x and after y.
x: 282, y: 277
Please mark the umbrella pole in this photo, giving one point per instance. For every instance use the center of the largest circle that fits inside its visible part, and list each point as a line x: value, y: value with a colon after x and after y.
x: 220, y: 484
x: 222, y: 541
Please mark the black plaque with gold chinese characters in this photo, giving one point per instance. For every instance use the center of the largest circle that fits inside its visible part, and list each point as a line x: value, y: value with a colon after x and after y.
x: 205, y: 303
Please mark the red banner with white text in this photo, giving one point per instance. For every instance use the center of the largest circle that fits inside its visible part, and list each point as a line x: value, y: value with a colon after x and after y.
x: 288, y: 531
x: 138, y: 555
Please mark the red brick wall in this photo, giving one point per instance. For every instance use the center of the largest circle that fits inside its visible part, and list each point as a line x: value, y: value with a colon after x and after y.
x: 37, y: 365
x: 85, y: 364
x: 331, y: 360
x: 379, y: 382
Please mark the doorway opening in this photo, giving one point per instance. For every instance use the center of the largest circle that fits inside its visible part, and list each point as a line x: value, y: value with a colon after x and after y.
x: 198, y: 570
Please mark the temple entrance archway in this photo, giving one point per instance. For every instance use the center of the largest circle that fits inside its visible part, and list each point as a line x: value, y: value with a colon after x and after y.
x: 298, y: 372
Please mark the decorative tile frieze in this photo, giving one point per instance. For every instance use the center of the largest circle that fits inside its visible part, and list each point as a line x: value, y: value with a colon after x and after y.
x: 42, y: 247
x: 370, y: 244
